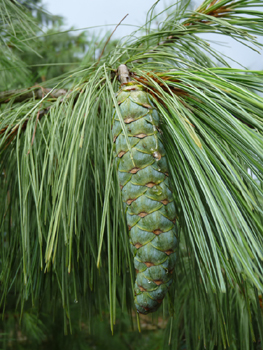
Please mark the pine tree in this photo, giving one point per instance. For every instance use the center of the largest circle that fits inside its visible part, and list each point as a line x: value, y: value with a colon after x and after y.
x: 65, y: 240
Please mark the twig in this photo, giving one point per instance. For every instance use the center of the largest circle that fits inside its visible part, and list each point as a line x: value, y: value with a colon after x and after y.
x: 102, y: 52
x: 220, y: 12
x: 25, y: 94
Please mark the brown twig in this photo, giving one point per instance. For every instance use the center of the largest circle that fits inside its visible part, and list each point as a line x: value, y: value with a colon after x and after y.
x: 220, y: 12
x: 102, y: 52
x: 33, y: 92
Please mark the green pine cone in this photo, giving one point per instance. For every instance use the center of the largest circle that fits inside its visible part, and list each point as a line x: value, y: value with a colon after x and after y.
x: 148, y: 201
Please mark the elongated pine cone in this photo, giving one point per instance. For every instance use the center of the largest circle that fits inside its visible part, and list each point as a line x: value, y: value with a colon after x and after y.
x: 147, y: 198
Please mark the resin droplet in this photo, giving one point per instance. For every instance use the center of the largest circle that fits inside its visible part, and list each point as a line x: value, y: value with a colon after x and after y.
x: 157, y: 155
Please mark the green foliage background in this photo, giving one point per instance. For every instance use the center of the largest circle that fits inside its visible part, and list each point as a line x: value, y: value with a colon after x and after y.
x: 65, y: 258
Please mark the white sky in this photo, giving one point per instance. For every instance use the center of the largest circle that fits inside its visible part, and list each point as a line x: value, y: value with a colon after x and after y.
x: 88, y: 13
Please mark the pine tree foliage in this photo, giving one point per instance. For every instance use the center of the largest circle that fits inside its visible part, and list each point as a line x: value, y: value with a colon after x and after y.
x: 64, y: 236
x: 15, y: 26
x: 34, y: 47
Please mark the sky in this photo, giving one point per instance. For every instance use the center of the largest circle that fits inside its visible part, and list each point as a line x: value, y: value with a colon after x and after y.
x: 90, y: 13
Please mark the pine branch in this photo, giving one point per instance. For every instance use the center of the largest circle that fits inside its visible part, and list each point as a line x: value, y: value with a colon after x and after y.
x: 25, y: 94
x: 60, y: 202
x: 221, y: 11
